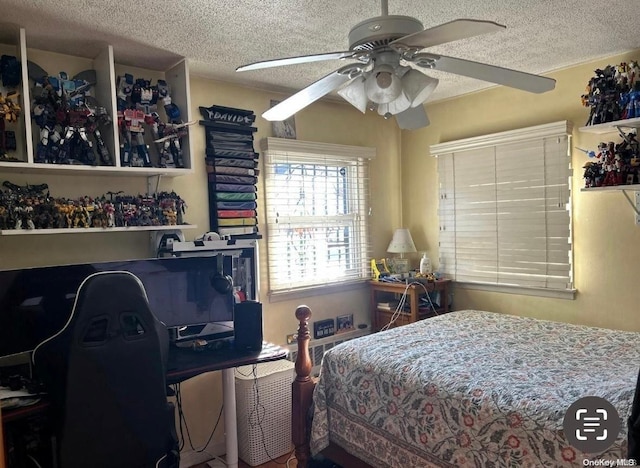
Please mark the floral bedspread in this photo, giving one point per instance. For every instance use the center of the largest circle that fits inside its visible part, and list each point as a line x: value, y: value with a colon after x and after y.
x: 471, y: 388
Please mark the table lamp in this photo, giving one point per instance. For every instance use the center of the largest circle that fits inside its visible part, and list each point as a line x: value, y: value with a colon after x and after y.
x: 401, y: 243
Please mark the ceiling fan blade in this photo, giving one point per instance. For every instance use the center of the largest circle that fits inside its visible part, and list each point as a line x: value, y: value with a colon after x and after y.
x: 447, y: 32
x: 296, y: 60
x: 490, y: 73
x: 412, y: 118
x: 310, y: 94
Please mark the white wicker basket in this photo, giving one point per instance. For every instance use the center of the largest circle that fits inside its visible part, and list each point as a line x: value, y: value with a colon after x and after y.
x: 264, y: 411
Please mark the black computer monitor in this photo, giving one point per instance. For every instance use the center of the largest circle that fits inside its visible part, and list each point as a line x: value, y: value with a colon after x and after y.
x: 35, y: 303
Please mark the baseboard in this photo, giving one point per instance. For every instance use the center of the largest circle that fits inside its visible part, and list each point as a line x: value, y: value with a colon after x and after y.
x: 191, y: 457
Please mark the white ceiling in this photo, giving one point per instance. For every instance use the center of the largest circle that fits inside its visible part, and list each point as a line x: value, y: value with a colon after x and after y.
x: 217, y: 36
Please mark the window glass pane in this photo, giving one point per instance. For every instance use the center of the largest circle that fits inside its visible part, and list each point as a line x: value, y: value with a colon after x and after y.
x: 316, y: 219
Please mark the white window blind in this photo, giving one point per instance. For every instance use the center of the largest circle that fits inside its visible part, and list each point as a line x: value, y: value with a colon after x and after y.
x: 317, y: 201
x: 505, y: 208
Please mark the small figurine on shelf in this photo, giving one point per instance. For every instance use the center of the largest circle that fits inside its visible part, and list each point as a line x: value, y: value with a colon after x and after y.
x: 24, y: 215
x: 603, y: 95
x: 5, y: 218
x: 133, y: 152
x: 592, y: 174
x: 9, y: 108
x: 9, y: 113
x: 167, y: 138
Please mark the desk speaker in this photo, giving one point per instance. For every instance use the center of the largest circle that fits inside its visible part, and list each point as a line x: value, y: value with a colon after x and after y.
x: 247, y: 325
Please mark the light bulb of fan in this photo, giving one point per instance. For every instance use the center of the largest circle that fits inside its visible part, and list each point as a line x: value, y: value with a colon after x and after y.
x: 382, y: 85
x: 383, y: 110
x: 354, y: 94
x: 418, y: 86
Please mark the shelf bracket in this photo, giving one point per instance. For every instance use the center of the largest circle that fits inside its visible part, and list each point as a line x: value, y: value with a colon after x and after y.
x: 152, y: 189
x: 635, y: 204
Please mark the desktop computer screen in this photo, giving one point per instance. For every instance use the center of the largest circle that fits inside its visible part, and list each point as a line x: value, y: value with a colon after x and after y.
x: 35, y: 303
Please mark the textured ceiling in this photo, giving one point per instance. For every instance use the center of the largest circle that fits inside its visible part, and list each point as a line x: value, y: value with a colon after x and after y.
x: 218, y: 36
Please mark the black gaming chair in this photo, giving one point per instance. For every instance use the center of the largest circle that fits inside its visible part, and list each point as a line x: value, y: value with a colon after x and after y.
x: 105, y: 374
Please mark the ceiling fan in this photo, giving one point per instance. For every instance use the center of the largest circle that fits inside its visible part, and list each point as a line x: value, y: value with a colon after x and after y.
x: 387, y: 72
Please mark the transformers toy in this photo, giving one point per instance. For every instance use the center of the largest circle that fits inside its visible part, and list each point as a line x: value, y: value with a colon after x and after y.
x: 9, y: 113
x: 67, y: 116
x: 137, y: 106
x: 9, y: 108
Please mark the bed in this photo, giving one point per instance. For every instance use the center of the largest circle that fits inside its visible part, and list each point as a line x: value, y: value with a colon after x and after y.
x: 469, y: 388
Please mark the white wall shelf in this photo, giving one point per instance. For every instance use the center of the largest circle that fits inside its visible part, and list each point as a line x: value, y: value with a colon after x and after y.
x: 70, y: 169
x: 611, y: 127
x: 107, y: 70
x: 612, y: 188
x: 23, y: 232
x: 108, y: 66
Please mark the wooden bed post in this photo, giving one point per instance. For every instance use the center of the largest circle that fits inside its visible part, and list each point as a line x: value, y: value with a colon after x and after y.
x: 302, y: 390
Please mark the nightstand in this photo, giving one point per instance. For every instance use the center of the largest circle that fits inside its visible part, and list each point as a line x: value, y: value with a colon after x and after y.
x: 385, y: 295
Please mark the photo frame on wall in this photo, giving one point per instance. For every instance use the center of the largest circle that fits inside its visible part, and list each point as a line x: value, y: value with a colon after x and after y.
x: 284, y: 129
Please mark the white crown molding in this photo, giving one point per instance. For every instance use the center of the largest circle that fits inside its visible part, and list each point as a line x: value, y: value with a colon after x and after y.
x: 563, y: 127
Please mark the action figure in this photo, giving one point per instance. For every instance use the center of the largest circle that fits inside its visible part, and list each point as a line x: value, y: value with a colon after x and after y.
x: 137, y: 105
x: 10, y: 110
x: 67, y: 116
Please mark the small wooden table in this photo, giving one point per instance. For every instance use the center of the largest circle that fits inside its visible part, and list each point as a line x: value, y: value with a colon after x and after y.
x: 390, y: 292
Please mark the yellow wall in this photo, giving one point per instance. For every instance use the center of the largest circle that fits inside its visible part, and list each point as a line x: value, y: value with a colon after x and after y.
x: 606, y: 257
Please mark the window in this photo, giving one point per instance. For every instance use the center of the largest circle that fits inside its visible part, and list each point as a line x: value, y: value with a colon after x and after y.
x: 317, y: 207
x: 504, y: 210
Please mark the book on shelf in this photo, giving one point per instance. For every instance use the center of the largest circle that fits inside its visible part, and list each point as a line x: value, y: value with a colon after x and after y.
x: 387, y: 305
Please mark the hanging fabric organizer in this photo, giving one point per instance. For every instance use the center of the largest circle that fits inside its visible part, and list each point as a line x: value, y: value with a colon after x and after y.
x: 232, y: 171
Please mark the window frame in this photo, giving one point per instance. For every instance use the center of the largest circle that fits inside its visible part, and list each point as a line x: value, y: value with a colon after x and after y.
x: 276, y: 151
x: 494, y: 141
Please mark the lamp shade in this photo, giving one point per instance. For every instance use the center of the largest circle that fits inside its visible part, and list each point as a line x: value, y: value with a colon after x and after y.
x: 418, y: 86
x: 402, y: 242
x: 383, y: 85
x: 399, y: 104
x: 354, y: 94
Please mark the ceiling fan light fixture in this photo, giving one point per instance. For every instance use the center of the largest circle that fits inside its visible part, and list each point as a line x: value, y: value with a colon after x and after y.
x: 355, y: 95
x: 399, y: 104
x: 418, y: 86
x: 383, y: 110
x: 383, y: 85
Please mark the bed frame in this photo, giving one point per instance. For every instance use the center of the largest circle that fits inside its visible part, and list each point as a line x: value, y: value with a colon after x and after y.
x: 301, y: 398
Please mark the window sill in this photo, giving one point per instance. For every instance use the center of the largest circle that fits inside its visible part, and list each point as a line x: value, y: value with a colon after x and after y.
x: 569, y: 294
x: 301, y: 293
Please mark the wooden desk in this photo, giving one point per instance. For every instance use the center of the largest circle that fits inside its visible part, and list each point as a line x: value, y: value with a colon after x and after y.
x: 382, y: 291
x: 183, y: 364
